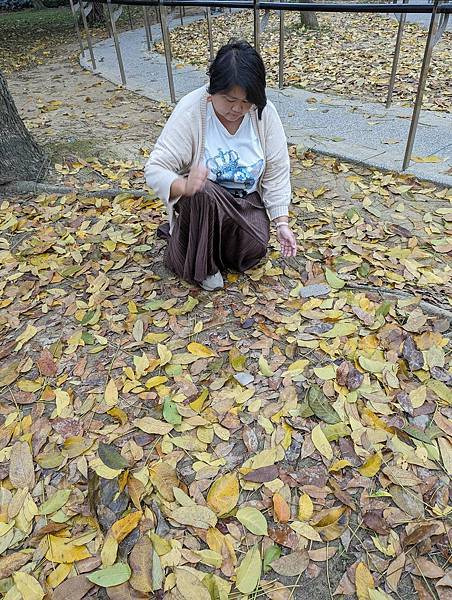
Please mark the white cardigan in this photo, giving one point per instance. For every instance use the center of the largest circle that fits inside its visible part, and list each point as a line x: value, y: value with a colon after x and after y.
x: 181, y: 144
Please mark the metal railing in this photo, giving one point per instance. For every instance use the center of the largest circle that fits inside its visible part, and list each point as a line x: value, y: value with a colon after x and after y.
x: 439, y: 12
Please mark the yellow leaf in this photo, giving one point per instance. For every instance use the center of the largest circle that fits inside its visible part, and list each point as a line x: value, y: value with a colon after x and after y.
x: 28, y: 586
x: 305, y: 508
x: 197, y: 404
x: 264, y: 367
x: 363, y: 581
x: 321, y: 443
x: 306, y: 530
x: 61, y: 550
x: 427, y: 159
x: 372, y: 366
x: 371, y: 466
x: 198, y: 327
x: 200, y: 350
x: 153, y: 426
x: 326, y: 373
x: 109, y: 551
x: 29, y: 332
x: 237, y: 360
x: 339, y: 464
x: 224, y: 494
x: 155, y: 338
x: 165, y: 354
x: 121, y: 528
x: 58, y: 575
x: 153, y: 382
x: 111, y: 393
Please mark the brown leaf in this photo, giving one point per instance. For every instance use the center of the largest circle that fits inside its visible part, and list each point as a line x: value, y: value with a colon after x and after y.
x: 140, y: 561
x: 395, y: 571
x: 46, y: 364
x: 401, y: 476
x: 13, y: 562
x: 262, y: 474
x: 427, y: 568
x: 281, y: 509
x: 291, y: 564
x: 250, y: 439
x: 73, y: 589
x: 419, y: 534
x: 21, y: 466
x: 125, y: 592
x: 408, y: 500
x: 373, y: 519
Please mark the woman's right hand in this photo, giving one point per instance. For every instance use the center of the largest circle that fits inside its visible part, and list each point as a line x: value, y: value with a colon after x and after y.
x: 196, y: 180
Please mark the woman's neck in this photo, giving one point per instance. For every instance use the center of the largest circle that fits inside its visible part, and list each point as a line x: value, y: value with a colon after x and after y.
x: 232, y: 127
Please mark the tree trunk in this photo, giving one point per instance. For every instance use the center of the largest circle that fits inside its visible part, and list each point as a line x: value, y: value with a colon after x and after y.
x: 96, y: 16
x: 20, y: 156
x: 309, y: 18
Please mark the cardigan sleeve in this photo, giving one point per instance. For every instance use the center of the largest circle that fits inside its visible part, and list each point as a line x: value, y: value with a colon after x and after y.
x: 172, y: 154
x: 276, y: 188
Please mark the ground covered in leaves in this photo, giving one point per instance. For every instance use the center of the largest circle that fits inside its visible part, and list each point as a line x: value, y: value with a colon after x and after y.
x: 350, y: 55
x: 284, y: 438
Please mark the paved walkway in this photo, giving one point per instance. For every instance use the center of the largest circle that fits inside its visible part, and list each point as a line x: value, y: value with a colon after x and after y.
x: 352, y: 130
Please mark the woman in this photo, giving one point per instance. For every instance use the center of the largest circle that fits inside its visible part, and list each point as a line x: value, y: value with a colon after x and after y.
x: 222, y: 168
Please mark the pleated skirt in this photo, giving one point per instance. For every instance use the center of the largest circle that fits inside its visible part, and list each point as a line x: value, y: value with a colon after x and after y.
x: 215, y: 231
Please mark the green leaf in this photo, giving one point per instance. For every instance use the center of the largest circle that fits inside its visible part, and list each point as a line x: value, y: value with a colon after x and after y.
x: 271, y: 554
x: 333, y: 280
x: 111, y: 457
x: 416, y: 433
x: 170, y: 413
x: 55, y: 502
x: 253, y: 520
x: 384, y: 308
x: 110, y: 576
x: 320, y: 406
x: 249, y: 572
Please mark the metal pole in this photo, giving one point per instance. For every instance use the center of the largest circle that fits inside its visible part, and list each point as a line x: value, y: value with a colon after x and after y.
x: 281, y: 49
x: 167, y: 46
x: 147, y: 27
x: 257, y: 44
x: 88, y: 35
x: 181, y: 16
x: 395, y: 60
x: 77, y: 29
x: 129, y: 14
x: 209, y: 31
x: 420, y: 88
x: 117, y: 46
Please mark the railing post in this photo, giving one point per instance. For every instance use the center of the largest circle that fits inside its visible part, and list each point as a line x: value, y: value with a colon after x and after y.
x: 281, y: 49
x: 88, y: 35
x: 116, y: 41
x: 257, y: 26
x: 395, y: 60
x: 209, y: 31
x: 167, y: 46
x: 420, y: 87
x: 77, y: 29
x: 147, y: 27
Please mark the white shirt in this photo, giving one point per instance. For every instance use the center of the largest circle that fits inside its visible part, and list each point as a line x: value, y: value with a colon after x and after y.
x: 235, y: 161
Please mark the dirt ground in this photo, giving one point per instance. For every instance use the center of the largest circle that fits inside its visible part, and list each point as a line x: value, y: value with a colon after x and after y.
x: 98, y: 135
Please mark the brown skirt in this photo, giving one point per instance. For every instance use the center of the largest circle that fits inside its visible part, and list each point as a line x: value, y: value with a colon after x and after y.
x: 216, y: 231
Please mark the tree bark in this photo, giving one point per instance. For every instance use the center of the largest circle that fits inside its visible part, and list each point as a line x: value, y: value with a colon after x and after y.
x: 309, y: 18
x: 20, y: 156
x: 96, y: 16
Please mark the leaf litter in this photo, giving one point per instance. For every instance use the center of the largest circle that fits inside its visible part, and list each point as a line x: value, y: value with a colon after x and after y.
x: 156, y: 439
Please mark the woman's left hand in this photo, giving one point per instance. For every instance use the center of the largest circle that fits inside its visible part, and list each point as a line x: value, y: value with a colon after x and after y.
x: 287, y: 240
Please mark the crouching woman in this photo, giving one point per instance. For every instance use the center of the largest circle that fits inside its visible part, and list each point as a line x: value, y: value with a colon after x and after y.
x: 222, y: 168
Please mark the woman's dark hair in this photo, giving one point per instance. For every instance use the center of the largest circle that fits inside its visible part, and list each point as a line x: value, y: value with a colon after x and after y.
x: 238, y: 64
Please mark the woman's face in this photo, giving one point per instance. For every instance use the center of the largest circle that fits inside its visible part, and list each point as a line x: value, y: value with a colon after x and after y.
x: 232, y: 104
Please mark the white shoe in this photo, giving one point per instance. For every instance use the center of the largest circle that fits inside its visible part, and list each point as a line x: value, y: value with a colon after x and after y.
x: 213, y: 282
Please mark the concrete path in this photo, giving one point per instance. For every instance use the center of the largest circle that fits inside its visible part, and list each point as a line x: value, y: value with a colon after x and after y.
x: 352, y: 130
x: 422, y: 18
